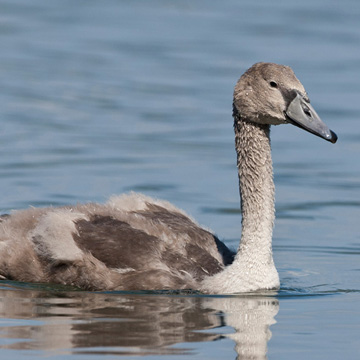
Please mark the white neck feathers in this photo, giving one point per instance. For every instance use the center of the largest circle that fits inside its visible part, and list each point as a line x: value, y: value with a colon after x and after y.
x: 253, y: 267
x: 252, y: 143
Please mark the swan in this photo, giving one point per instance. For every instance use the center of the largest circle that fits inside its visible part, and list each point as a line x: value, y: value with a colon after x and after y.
x: 134, y: 242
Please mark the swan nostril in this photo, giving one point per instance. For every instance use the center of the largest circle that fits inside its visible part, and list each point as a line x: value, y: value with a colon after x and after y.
x: 307, y: 111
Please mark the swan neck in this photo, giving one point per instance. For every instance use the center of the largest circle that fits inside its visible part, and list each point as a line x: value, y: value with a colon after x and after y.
x: 256, y: 185
x: 253, y: 267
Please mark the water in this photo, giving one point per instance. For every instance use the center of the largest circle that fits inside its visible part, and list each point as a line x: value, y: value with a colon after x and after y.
x: 100, y: 98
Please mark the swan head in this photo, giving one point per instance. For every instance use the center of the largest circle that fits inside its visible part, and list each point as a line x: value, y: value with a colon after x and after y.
x: 271, y: 94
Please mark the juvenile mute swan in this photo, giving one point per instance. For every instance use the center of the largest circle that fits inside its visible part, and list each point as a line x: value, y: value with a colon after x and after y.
x: 134, y: 242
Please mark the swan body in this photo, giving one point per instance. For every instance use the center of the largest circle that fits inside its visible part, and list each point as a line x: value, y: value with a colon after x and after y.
x: 134, y: 242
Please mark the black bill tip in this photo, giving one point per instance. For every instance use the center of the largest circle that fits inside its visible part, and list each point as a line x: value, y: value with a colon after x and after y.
x: 333, y: 138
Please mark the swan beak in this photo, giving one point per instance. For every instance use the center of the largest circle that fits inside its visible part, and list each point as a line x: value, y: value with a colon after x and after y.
x: 303, y: 115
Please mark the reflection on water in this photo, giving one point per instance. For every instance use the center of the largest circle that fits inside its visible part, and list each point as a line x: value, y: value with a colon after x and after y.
x: 130, y: 324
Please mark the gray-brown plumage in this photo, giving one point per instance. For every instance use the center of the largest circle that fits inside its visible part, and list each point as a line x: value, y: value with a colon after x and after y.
x: 134, y: 242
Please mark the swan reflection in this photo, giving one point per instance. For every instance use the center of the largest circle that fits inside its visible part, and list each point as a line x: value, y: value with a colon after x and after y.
x: 132, y: 324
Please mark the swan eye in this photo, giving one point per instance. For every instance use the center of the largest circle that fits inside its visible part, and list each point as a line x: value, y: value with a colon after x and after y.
x: 273, y: 84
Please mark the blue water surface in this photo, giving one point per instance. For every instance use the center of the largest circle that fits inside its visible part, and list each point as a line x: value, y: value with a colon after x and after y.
x: 99, y: 98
